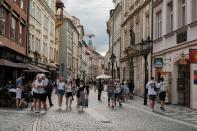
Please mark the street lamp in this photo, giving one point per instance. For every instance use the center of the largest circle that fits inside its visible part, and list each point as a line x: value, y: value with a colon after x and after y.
x: 146, y: 49
x: 62, y: 68
x: 113, y: 59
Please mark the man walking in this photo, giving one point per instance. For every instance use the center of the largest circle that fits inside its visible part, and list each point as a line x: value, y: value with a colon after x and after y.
x: 49, y: 90
x: 100, y: 89
x: 19, y: 89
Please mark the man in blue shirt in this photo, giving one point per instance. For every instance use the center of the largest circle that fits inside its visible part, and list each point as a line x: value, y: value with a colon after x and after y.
x: 19, y: 88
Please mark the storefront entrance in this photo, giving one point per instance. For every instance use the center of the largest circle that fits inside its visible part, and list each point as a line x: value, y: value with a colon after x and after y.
x: 183, y: 84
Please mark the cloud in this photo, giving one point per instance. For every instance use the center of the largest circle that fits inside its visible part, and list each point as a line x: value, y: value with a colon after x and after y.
x: 93, y: 15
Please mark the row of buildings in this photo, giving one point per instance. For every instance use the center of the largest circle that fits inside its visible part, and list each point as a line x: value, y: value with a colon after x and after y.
x: 40, y: 36
x: 155, y: 38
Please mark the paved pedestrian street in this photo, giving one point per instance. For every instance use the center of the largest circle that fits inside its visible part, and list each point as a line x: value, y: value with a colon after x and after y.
x: 97, y: 117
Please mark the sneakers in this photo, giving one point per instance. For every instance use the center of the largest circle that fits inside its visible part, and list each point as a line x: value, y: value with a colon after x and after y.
x: 19, y: 109
x: 162, y: 108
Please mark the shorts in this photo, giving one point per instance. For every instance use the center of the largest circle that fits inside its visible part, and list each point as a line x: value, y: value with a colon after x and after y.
x: 61, y: 92
x: 69, y: 94
x: 43, y: 97
x: 152, y: 97
x: 18, y: 93
x: 36, y: 95
x: 162, y: 96
x: 111, y: 94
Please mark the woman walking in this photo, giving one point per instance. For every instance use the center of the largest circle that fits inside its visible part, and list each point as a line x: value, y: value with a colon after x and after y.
x: 69, y: 94
x: 60, y: 91
x: 111, y: 93
x: 81, y: 95
x: 38, y: 83
x: 151, y: 86
x: 162, y: 93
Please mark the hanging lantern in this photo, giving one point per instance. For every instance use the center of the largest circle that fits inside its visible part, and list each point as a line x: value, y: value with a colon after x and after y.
x: 183, y: 60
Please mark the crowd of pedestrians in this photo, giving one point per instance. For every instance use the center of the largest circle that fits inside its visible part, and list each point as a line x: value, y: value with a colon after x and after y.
x: 117, y: 92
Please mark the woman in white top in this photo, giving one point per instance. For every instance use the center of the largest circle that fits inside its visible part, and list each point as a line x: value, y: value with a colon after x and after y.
x: 69, y: 94
x: 60, y: 91
x: 36, y: 93
x: 151, y: 86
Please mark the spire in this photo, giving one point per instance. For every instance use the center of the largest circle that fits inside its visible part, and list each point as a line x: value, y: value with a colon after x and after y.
x: 90, y: 44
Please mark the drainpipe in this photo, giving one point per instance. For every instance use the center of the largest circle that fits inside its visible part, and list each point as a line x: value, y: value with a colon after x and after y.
x: 27, y: 28
x: 151, y: 54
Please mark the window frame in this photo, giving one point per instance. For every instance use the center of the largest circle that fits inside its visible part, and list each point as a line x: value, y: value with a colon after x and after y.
x: 3, y: 20
x: 158, y: 24
x: 170, y: 15
x: 13, y: 30
x: 20, y: 35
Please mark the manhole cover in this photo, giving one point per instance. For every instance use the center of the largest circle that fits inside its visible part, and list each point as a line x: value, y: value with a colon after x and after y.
x: 106, y: 121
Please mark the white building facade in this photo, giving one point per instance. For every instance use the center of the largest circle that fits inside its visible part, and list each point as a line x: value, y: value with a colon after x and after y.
x: 42, y: 31
x: 175, y: 31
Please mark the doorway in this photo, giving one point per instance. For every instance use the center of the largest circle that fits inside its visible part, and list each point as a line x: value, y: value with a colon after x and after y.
x: 183, y: 84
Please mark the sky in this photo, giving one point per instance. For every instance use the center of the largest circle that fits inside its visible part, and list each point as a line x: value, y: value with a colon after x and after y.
x: 93, y: 15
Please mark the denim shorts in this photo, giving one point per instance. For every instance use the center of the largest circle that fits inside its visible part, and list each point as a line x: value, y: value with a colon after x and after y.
x: 111, y: 94
x: 61, y: 92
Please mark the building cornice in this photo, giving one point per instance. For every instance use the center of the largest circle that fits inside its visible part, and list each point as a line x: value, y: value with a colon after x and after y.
x: 175, y: 48
x: 157, y: 2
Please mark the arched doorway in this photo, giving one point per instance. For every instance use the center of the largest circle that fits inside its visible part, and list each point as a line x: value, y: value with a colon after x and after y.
x: 183, y: 84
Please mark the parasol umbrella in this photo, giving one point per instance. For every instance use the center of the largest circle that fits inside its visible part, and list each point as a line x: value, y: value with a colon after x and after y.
x: 103, y: 76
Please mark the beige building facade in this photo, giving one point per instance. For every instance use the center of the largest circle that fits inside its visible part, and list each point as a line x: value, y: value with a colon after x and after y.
x: 42, y: 32
x: 135, y: 25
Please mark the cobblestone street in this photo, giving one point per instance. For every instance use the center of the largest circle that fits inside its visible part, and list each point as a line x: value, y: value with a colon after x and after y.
x: 98, y: 116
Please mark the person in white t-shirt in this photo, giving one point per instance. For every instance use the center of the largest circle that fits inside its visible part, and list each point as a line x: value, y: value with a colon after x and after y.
x: 60, y: 91
x: 151, y: 86
x: 37, y: 84
x: 69, y: 94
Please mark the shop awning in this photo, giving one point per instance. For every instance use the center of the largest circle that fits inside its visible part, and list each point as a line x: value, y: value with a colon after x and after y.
x: 32, y: 68
x: 5, y: 62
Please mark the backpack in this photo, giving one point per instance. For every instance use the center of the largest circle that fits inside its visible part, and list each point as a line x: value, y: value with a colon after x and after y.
x: 162, y: 87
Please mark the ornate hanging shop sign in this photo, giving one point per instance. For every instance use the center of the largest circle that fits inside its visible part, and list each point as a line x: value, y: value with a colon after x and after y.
x: 193, y: 55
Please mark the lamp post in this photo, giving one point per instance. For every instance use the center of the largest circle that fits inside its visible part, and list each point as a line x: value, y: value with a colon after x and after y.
x: 146, y: 49
x: 113, y: 59
x: 62, y: 68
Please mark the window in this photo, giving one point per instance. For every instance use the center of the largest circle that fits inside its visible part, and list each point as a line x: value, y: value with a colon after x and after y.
x: 3, y: 14
x: 170, y: 17
x: 32, y: 8
x: 69, y: 41
x: 32, y: 43
x: 182, y: 13
x: 158, y: 24
x: 13, y: 29
x: 147, y: 25
x: 20, y: 34
x: 69, y: 60
x: 137, y: 31
x: 46, y: 21
x: 194, y: 10
x: 52, y: 30
x: 22, y: 4
x: 45, y: 50
x: 38, y: 14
